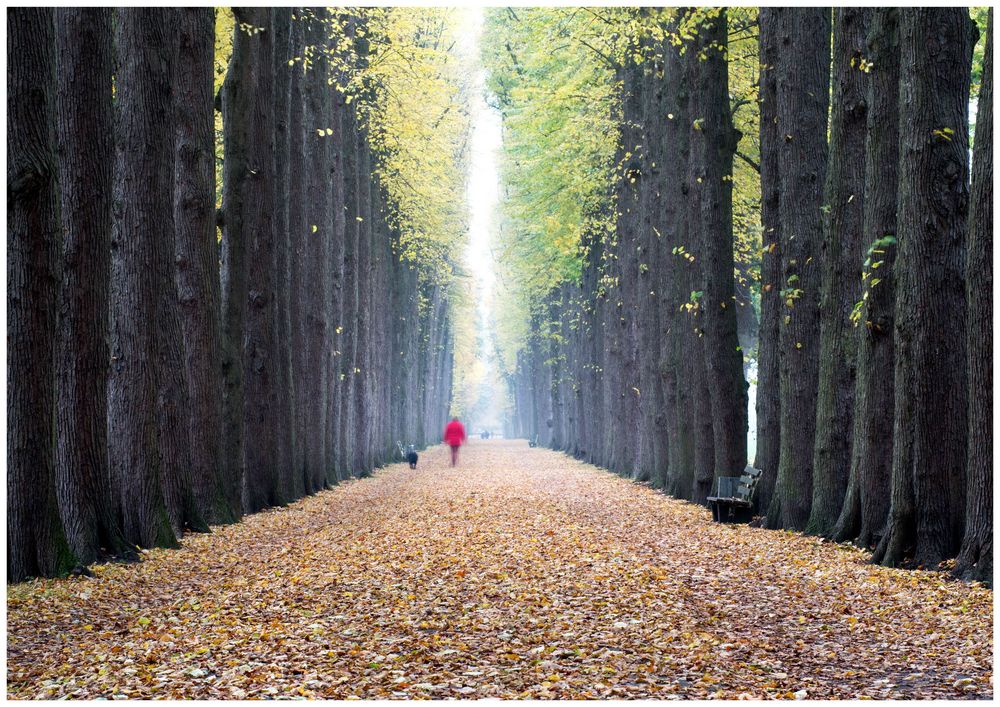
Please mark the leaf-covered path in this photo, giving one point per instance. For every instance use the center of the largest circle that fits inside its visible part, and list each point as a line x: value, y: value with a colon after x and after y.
x: 520, y: 573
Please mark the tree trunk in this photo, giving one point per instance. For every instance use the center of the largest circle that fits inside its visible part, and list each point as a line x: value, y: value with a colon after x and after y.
x: 347, y: 337
x: 693, y: 278
x: 842, y: 253
x: 975, y: 560
x: 803, y: 80
x: 713, y: 144
x: 198, y: 259
x: 673, y: 219
x: 931, y: 365
x: 768, y: 404
x: 298, y: 233
x: 319, y: 217
x: 647, y: 305
x: 342, y: 142
x: 288, y: 488
x: 36, y: 544
x: 589, y: 425
x: 866, y: 504
x: 172, y: 406
x: 675, y: 324
x: 362, y: 322
x: 630, y: 241
x: 149, y: 497
x: 261, y: 359
x: 237, y: 109
x: 85, y: 132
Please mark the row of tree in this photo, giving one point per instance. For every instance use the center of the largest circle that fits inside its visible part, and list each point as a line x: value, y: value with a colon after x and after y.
x: 874, y: 385
x: 175, y: 363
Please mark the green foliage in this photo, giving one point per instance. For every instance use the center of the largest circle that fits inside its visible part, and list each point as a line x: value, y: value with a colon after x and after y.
x: 419, y: 126
x: 550, y: 77
x: 552, y: 74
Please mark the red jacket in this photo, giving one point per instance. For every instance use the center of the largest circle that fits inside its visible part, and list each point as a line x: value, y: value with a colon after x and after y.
x: 454, y: 433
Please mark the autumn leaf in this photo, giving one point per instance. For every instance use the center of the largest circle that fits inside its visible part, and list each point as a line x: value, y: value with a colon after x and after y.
x: 520, y: 573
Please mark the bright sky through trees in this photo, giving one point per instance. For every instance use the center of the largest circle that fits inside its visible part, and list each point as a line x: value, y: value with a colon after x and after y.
x: 484, y: 393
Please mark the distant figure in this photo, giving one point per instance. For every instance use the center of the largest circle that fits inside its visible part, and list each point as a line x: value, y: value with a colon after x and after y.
x: 454, y: 437
x: 411, y: 456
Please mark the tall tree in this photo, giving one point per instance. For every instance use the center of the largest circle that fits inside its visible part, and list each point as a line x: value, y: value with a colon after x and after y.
x: 866, y: 502
x: 198, y: 259
x: 151, y: 502
x: 656, y: 318
x: 768, y: 402
x: 802, y: 81
x: 976, y: 557
x: 261, y: 359
x: 36, y: 544
x: 172, y: 405
x: 713, y: 144
x: 284, y: 344
x: 346, y: 338
x: 297, y: 234
x: 928, y: 499
x: 319, y: 219
x: 652, y: 457
x: 342, y: 144
x: 237, y: 109
x: 85, y: 131
x: 674, y: 368
x: 693, y: 279
x: 361, y: 324
x: 841, y: 255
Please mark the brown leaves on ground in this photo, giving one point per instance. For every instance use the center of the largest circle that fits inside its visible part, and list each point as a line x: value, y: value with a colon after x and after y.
x: 521, y: 573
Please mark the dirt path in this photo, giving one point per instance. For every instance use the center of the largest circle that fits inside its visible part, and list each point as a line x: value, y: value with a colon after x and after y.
x: 520, y: 573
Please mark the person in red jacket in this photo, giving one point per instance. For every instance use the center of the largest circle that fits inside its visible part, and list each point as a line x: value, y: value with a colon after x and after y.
x: 454, y: 437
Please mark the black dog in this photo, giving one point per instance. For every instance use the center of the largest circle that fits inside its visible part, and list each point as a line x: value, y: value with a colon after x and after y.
x: 411, y: 456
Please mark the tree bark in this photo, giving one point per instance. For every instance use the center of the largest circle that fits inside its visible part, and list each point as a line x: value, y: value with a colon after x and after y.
x: 362, y: 323
x: 151, y: 501
x: 713, y: 144
x: 975, y: 560
x: 674, y: 368
x: 237, y: 108
x: 768, y: 403
x: 647, y: 304
x: 347, y: 337
x: 298, y: 233
x: 261, y: 359
x: 841, y: 255
x: 172, y: 405
x: 36, y: 544
x: 931, y: 364
x: 866, y: 503
x: 693, y: 320
x: 288, y: 488
x: 342, y: 143
x: 319, y: 217
x: 85, y: 133
x: 198, y: 259
x: 803, y: 79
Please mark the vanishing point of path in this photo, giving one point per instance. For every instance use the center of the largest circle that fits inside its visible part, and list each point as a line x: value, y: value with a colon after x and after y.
x: 522, y: 573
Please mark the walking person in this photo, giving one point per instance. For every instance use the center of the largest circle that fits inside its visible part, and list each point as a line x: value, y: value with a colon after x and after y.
x: 454, y: 437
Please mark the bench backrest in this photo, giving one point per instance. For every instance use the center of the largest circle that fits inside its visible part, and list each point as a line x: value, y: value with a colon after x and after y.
x: 748, y: 482
x: 727, y: 486
x: 741, y: 487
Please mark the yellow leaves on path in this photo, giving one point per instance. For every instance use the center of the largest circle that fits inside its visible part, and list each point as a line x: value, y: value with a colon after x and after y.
x: 520, y: 573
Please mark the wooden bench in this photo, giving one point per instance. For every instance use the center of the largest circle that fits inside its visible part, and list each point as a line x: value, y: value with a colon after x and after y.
x: 733, y: 498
